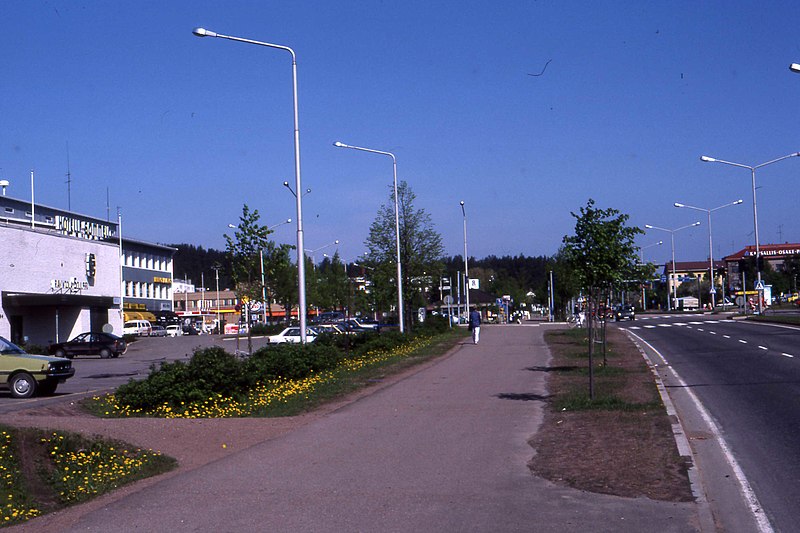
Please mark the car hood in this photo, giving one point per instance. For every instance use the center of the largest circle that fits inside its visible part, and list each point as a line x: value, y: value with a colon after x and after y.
x: 40, y: 358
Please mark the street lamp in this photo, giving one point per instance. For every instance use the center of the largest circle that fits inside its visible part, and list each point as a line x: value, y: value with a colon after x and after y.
x: 759, y: 284
x: 315, y: 250
x: 215, y: 267
x: 301, y: 268
x: 641, y: 260
x: 712, y: 291
x: 795, y: 67
x: 466, y: 268
x: 672, y: 273
x: 396, y: 224
x: 286, y: 184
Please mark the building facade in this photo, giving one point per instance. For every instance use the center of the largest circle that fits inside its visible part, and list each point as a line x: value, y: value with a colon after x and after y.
x: 62, y: 273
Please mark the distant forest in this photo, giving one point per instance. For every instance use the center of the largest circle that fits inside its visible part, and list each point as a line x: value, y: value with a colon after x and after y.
x: 512, y: 275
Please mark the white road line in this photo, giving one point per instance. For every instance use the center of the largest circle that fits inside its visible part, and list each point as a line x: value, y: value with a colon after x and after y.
x: 727, y: 336
x: 713, y: 332
x: 743, y: 341
x: 680, y: 323
x: 665, y: 325
x: 696, y: 323
x: 787, y: 355
x: 649, y: 326
x: 763, y: 348
x: 712, y: 321
x: 747, y: 491
x: 700, y: 329
x: 634, y: 327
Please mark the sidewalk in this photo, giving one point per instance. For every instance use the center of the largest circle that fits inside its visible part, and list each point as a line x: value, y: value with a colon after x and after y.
x: 442, y: 450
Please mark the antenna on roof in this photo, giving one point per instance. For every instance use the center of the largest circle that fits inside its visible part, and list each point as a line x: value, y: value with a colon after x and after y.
x: 69, y: 183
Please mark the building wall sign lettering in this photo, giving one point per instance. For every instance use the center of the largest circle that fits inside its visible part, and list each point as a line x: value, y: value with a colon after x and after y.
x: 71, y: 286
x: 157, y: 279
x: 774, y: 253
x: 82, y: 229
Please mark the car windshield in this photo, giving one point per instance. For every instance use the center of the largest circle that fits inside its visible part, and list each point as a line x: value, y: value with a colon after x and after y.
x: 8, y: 347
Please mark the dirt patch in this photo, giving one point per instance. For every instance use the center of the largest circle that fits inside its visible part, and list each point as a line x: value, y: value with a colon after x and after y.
x: 625, y: 449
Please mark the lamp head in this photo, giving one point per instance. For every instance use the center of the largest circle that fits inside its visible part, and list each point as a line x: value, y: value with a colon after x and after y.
x: 707, y: 159
x: 233, y: 226
x: 338, y: 144
x: 288, y: 220
x: 676, y: 204
x: 648, y: 226
x: 285, y: 183
x: 202, y: 32
x: 795, y: 67
x: 696, y: 223
x: 659, y: 243
x: 336, y: 242
x: 737, y: 202
x: 462, y: 203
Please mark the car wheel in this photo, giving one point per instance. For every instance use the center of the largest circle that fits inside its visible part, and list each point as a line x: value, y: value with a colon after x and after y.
x: 22, y: 385
x: 48, y: 388
x: 105, y: 353
x: 115, y: 355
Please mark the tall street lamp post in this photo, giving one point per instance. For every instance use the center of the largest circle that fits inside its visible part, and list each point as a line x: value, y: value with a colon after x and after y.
x: 672, y: 273
x: 400, y: 313
x: 466, y: 267
x: 759, y: 284
x: 712, y: 291
x: 641, y: 260
x: 301, y: 268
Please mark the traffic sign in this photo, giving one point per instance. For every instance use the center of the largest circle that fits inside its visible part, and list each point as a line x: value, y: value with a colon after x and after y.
x: 760, y: 285
x: 712, y: 291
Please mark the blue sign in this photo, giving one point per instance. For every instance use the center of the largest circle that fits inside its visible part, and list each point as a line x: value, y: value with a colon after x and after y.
x: 663, y: 278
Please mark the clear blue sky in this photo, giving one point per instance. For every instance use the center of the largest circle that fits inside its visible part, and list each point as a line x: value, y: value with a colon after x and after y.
x: 183, y: 131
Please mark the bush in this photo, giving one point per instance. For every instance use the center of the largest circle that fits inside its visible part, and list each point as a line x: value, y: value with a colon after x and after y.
x: 433, y: 325
x: 290, y: 361
x: 209, y: 371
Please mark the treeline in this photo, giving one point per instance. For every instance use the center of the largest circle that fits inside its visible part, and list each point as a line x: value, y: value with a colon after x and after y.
x: 512, y: 275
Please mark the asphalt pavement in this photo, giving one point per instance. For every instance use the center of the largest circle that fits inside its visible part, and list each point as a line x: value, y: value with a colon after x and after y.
x: 445, y: 449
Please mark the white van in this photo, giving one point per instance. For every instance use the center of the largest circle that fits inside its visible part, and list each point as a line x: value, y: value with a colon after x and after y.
x: 140, y: 328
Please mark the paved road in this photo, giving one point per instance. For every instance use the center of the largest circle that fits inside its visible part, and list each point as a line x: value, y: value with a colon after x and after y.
x: 442, y: 450
x: 747, y: 375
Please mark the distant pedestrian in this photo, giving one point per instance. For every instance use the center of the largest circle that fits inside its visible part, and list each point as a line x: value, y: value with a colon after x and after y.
x: 475, y: 325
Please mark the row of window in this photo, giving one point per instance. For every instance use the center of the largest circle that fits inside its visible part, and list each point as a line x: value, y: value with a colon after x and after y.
x: 204, y: 304
x: 141, y: 289
x: 148, y: 261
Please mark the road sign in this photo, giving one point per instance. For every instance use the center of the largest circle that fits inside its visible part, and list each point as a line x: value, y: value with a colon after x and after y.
x: 760, y: 286
x: 712, y: 291
x: 663, y: 278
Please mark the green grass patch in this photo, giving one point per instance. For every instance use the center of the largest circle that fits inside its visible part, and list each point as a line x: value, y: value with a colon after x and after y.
x: 44, y: 471
x: 777, y: 319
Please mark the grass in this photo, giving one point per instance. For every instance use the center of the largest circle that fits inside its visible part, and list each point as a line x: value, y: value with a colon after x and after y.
x: 777, y: 319
x: 618, y: 442
x: 45, y: 471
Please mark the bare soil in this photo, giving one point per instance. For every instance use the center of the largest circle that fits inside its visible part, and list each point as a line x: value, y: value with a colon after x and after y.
x: 628, y: 451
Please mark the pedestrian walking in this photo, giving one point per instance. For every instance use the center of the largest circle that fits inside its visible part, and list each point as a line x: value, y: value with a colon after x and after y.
x: 475, y: 325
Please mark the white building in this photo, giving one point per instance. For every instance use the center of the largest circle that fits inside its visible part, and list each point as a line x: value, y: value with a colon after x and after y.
x: 61, y: 272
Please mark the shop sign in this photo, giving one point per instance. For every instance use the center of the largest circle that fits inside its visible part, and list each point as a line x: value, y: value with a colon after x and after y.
x: 82, y: 229
x: 157, y: 279
x: 68, y: 285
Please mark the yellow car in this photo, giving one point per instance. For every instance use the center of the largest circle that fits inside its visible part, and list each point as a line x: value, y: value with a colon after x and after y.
x: 26, y: 374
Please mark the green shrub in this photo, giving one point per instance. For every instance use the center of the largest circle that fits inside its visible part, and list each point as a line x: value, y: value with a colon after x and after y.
x: 433, y: 325
x: 209, y: 371
x: 290, y: 361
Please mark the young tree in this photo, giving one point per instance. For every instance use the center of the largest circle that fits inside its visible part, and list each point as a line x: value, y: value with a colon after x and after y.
x: 244, y: 251
x: 601, y: 254
x: 420, y: 247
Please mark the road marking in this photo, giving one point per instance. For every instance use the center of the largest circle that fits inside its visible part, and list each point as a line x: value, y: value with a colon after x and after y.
x: 700, y: 329
x: 747, y: 491
x: 649, y: 326
x: 763, y: 348
x: 787, y: 355
x: 634, y: 327
x: 743, y: 341
x: 712, y: 321
x: 696, y: 323
x: 665, y: 325
x: 727, y: 336
x: 680, y: 323
x: 713, y: 332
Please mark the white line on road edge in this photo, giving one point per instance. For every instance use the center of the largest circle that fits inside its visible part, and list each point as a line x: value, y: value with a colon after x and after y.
x: 763, y: 348
x: 787, y: 355
x: 747, y: 491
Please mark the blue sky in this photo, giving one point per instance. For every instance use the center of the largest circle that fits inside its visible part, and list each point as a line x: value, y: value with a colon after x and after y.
x: 180, y: 132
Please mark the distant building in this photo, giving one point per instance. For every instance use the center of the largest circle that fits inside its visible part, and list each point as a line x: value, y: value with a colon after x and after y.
x: 774, y: 254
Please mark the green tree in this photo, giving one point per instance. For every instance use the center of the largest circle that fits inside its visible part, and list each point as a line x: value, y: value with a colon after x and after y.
x: 244, y: 252
x: 601, y: 254
x: 420, y: 248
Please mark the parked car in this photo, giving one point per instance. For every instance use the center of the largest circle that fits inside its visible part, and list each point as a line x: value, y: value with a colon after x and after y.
x: 190, y: 330
x: 174, y: 330
x: 103, y: 344
x: 158, y: 331
x: 140, y: 328
x: 291, y: 334
x: 25, y: 374
x: 624, y: 312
